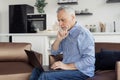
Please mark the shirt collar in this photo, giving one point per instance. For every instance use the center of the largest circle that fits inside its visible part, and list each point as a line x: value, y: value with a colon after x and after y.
x: 74, y: 31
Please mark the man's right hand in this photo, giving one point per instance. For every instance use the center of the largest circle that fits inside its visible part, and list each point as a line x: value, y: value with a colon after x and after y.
x: 62, y: 34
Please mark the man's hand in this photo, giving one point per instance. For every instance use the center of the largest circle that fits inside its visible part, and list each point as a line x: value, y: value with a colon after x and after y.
x: 62, y: 34
x: 61, y: 65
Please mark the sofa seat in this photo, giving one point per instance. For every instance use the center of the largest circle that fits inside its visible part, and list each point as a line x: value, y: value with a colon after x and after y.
x: 20, y: 76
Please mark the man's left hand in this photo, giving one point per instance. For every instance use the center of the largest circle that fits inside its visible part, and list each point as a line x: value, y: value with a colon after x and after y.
x: 61, y: 65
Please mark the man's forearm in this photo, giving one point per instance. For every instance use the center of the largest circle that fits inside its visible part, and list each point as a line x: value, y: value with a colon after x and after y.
x: 55, y: 45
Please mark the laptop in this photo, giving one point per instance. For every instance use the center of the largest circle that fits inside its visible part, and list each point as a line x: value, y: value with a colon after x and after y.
x: 35, y: 62
x: 33, y: 59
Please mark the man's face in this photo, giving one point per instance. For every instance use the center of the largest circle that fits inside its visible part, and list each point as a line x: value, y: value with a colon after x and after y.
x: 65, y: 20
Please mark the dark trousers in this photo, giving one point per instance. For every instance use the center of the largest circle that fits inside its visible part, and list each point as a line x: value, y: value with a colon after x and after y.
x: 57, y: 75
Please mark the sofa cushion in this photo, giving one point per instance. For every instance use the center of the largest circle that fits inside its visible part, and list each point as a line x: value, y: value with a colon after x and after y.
x: 15, y: 71
x: 106, y: 59
x: 14, y: 68
x: 13, y: 51
x: 19, y: 76
x: 97, y: 61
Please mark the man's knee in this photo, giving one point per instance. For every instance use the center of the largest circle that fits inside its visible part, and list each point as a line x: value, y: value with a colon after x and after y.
x: 42, y: 76
x: 46, y: 76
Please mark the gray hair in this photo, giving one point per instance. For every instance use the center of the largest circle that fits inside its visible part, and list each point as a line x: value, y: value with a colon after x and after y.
x: 67, y: 9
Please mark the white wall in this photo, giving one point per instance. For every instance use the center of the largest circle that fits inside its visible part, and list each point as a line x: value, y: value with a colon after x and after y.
x: 102, y: 12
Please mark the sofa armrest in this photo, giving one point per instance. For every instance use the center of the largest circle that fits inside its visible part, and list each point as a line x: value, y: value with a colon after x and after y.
x: 54, y: 58
x: 118, y: 70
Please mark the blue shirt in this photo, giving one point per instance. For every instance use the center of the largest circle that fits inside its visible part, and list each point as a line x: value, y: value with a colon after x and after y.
x: 78, y: 48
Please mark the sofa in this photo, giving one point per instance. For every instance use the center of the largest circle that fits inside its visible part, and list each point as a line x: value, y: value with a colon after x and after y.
x: 14, y: 62
x: 107, y: 65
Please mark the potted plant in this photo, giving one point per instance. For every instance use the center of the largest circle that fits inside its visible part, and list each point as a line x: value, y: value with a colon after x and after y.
x: 40, y: 4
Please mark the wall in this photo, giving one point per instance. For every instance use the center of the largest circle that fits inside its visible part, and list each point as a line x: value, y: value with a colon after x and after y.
x: 102, y: 12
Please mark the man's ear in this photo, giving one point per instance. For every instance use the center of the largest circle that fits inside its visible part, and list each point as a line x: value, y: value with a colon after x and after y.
x: 73, y: 16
